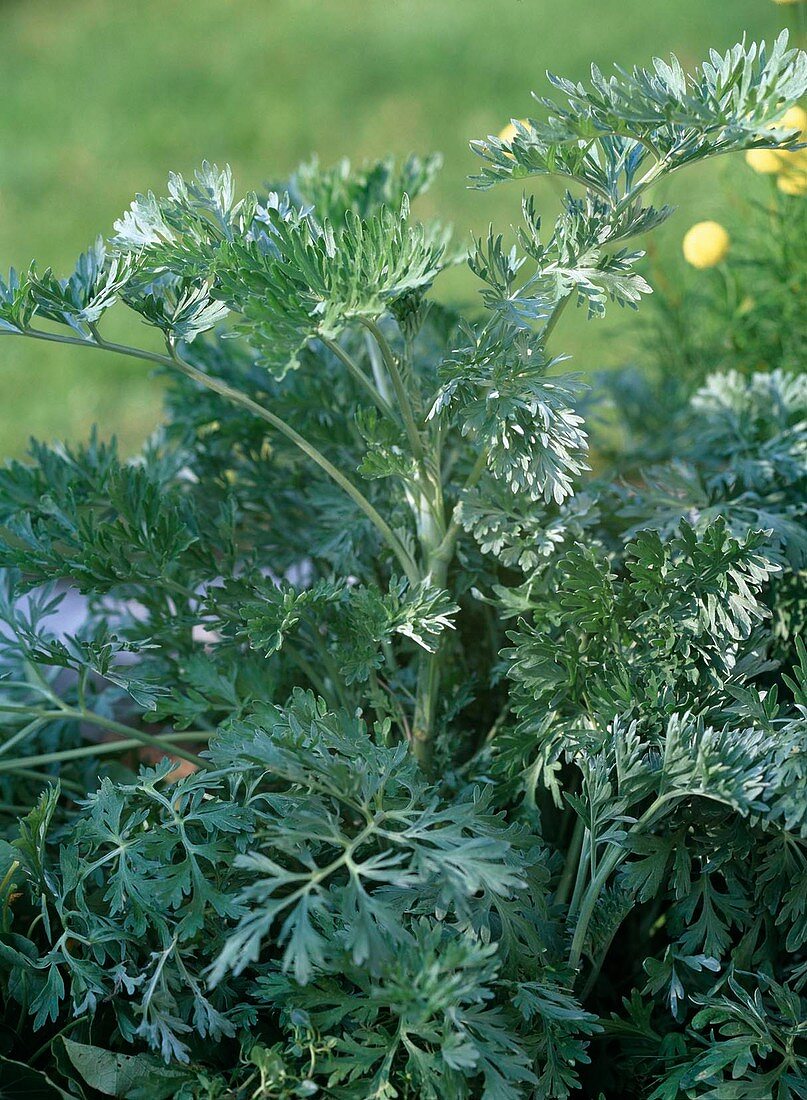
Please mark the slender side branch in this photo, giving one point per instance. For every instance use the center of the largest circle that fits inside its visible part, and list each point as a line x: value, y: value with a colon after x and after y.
x: 445, y: 551
x: 66, y: 713
x: 573, y: 857
x: 609, y: 864
x: 238, y: 398
x: 103, y: 749
x: 554, y: 317
x: 313, y: 453
x: 387, y: 354
x: 355, y: 370
x: 380, y: 377
x: 43, y: 777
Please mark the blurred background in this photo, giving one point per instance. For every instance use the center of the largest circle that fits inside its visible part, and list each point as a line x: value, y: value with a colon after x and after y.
x: 103, y: 99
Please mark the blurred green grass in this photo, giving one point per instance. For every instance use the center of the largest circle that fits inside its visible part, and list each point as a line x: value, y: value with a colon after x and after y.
x: 101, y: 100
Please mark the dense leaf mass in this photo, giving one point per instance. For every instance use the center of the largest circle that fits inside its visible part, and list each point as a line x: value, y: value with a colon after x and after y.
x: 356, y: 740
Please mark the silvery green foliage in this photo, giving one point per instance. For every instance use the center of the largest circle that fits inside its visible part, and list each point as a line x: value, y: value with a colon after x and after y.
x: 494, y: 778
x: 533, y: 438
x: 603, y: 134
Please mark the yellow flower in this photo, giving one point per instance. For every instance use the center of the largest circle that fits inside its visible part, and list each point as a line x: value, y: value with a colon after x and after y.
x: 766, y: 161
x: 769, y: 161
x: 793, y: 170
x: 508, y: 135
x: 793, y: 119
x: 706, y: 244
x: 787, y: 1
x: 793, y: 183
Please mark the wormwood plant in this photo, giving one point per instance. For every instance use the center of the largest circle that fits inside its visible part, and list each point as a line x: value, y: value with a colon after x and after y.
x: 503, y: 792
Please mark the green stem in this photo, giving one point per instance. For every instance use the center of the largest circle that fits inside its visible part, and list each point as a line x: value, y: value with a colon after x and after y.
x: 609, y: 864
x: 143, y: 738
x: 395, y: 703
x: 355, y: 370
x: 436, y: 554
x: 20, y: 735
x: 102, y: 749
x: 445, y: 551
x: 62, y: 1031
x: 428, y: 687
x: 22, y: 708
x: 380, y: 376
x: 401, y: 394
x: 580, y: 879
x: 238, y: 398
x: 42, y: 777
x: 572, y: 862
x: 9, y: 875
x: 302, y: 662
x: 498, y: 722
x: 330, y: 667
x: 592, y: 896
x: 312, y: 452
x: 645, y: 141
x: 93, y: 719
x: 438, y: 558
x: 554, y: 317
x: 591, y: 980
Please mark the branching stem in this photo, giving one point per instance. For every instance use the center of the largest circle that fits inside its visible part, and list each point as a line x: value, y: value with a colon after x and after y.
x: 401, y: 395
x: 355, y: 370
x: 231, y: 394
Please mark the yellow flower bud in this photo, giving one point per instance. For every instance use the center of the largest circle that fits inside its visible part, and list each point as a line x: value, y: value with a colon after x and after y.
x: 765, y: 161
x: 706, y: 244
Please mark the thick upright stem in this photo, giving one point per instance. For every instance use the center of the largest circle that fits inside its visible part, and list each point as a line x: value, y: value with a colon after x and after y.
x: 430, y: 664
x: 435, y: 553
x: 428, y: 687
x: 439, y: 553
